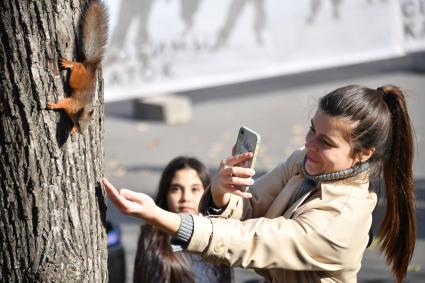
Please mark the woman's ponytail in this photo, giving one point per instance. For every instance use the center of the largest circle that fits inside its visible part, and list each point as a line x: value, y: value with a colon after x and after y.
x: 398, y: 229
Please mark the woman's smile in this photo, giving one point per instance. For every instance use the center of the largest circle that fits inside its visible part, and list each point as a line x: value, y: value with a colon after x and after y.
x: 309, y: 158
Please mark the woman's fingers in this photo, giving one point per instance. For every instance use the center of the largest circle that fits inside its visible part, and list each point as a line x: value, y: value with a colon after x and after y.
x: 231, y: 178
x: 236, y: 181
x: 236, y: 191
x: 242, y: 194
x: 233, y: 185
x: 108, y: 185
x: 132, y: 203
x: 131, y: 195
x: 120, y: 198
x: 112, y: 192
x: 238, y: 171
x: 236, y: 159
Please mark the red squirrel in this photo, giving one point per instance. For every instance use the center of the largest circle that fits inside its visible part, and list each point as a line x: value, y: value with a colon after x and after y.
x: 82, y: 80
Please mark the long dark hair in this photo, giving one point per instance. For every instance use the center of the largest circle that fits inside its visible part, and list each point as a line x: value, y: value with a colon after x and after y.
x: 155, y: 261
x: 381, y: 120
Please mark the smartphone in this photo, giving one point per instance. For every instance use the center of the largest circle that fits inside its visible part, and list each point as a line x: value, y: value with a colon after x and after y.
x: 247, y: 141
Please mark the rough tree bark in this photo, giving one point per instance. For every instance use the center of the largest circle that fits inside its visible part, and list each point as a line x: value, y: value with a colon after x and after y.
x: 52, y: 207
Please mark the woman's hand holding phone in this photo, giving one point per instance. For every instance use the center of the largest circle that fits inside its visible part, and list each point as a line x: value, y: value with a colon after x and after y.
x: 231, y: 178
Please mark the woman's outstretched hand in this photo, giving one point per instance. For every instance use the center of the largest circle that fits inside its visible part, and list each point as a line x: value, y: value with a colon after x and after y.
x: 142, y: 206
x: 230, y: 178
x: 130, y: 202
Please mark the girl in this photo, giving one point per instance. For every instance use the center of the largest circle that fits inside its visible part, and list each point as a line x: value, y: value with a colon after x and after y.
x: 181, y: 186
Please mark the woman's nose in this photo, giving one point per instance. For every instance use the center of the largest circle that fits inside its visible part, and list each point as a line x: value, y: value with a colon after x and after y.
x: 310, y: 144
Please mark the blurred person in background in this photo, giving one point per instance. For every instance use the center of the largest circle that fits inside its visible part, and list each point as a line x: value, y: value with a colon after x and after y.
x: 181, y: 186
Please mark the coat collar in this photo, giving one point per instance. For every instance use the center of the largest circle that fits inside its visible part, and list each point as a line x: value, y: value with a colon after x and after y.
x: 356, y: 186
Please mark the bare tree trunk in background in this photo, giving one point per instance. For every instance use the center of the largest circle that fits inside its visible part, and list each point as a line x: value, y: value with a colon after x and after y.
x: 52, y: 208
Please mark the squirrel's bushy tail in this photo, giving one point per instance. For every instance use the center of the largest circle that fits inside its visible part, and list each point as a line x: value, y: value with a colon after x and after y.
x: 95, y: 31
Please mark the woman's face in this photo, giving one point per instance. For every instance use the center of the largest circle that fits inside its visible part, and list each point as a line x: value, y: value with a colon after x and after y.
x: 327, y: 148
x: 185, y: 191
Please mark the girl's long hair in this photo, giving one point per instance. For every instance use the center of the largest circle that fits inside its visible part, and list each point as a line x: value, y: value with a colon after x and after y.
x: 156, y: 262
x: 382, y: 121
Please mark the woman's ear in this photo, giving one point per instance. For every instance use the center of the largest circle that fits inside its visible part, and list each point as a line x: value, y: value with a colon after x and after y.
x: 366, y: 153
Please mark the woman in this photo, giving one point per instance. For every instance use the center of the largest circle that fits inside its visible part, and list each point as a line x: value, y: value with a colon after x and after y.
x: 181, y: 186
x: 308, y: 219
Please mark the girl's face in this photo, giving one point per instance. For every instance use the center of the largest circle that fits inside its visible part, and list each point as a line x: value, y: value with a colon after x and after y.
x: 327, y: 147
x: 185, y: 191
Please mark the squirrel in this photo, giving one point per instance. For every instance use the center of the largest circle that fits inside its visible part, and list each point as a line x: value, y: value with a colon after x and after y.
x: 82, y: 79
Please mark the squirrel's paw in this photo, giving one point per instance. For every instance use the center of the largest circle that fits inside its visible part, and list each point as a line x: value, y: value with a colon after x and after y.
x: 51, y: 105
x: 64, y: 64
x: 74, y: 130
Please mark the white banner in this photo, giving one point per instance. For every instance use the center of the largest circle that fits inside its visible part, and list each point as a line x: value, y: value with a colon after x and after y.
x: 162, y: 46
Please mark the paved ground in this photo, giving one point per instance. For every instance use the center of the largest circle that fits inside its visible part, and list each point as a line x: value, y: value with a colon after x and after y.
x: 278, y: 109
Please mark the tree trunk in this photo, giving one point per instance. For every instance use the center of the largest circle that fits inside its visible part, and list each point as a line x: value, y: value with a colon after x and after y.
x: 52, y: 207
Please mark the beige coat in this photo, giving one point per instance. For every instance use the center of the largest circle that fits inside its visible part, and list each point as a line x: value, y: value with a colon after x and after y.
x: 320, y: 240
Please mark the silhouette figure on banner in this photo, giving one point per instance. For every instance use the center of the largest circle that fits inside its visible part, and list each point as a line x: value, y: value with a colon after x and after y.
x: 316, y: 5
x: 233, y: 15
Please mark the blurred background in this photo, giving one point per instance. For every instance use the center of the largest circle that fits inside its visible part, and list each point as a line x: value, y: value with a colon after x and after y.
x: 181, y: 77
